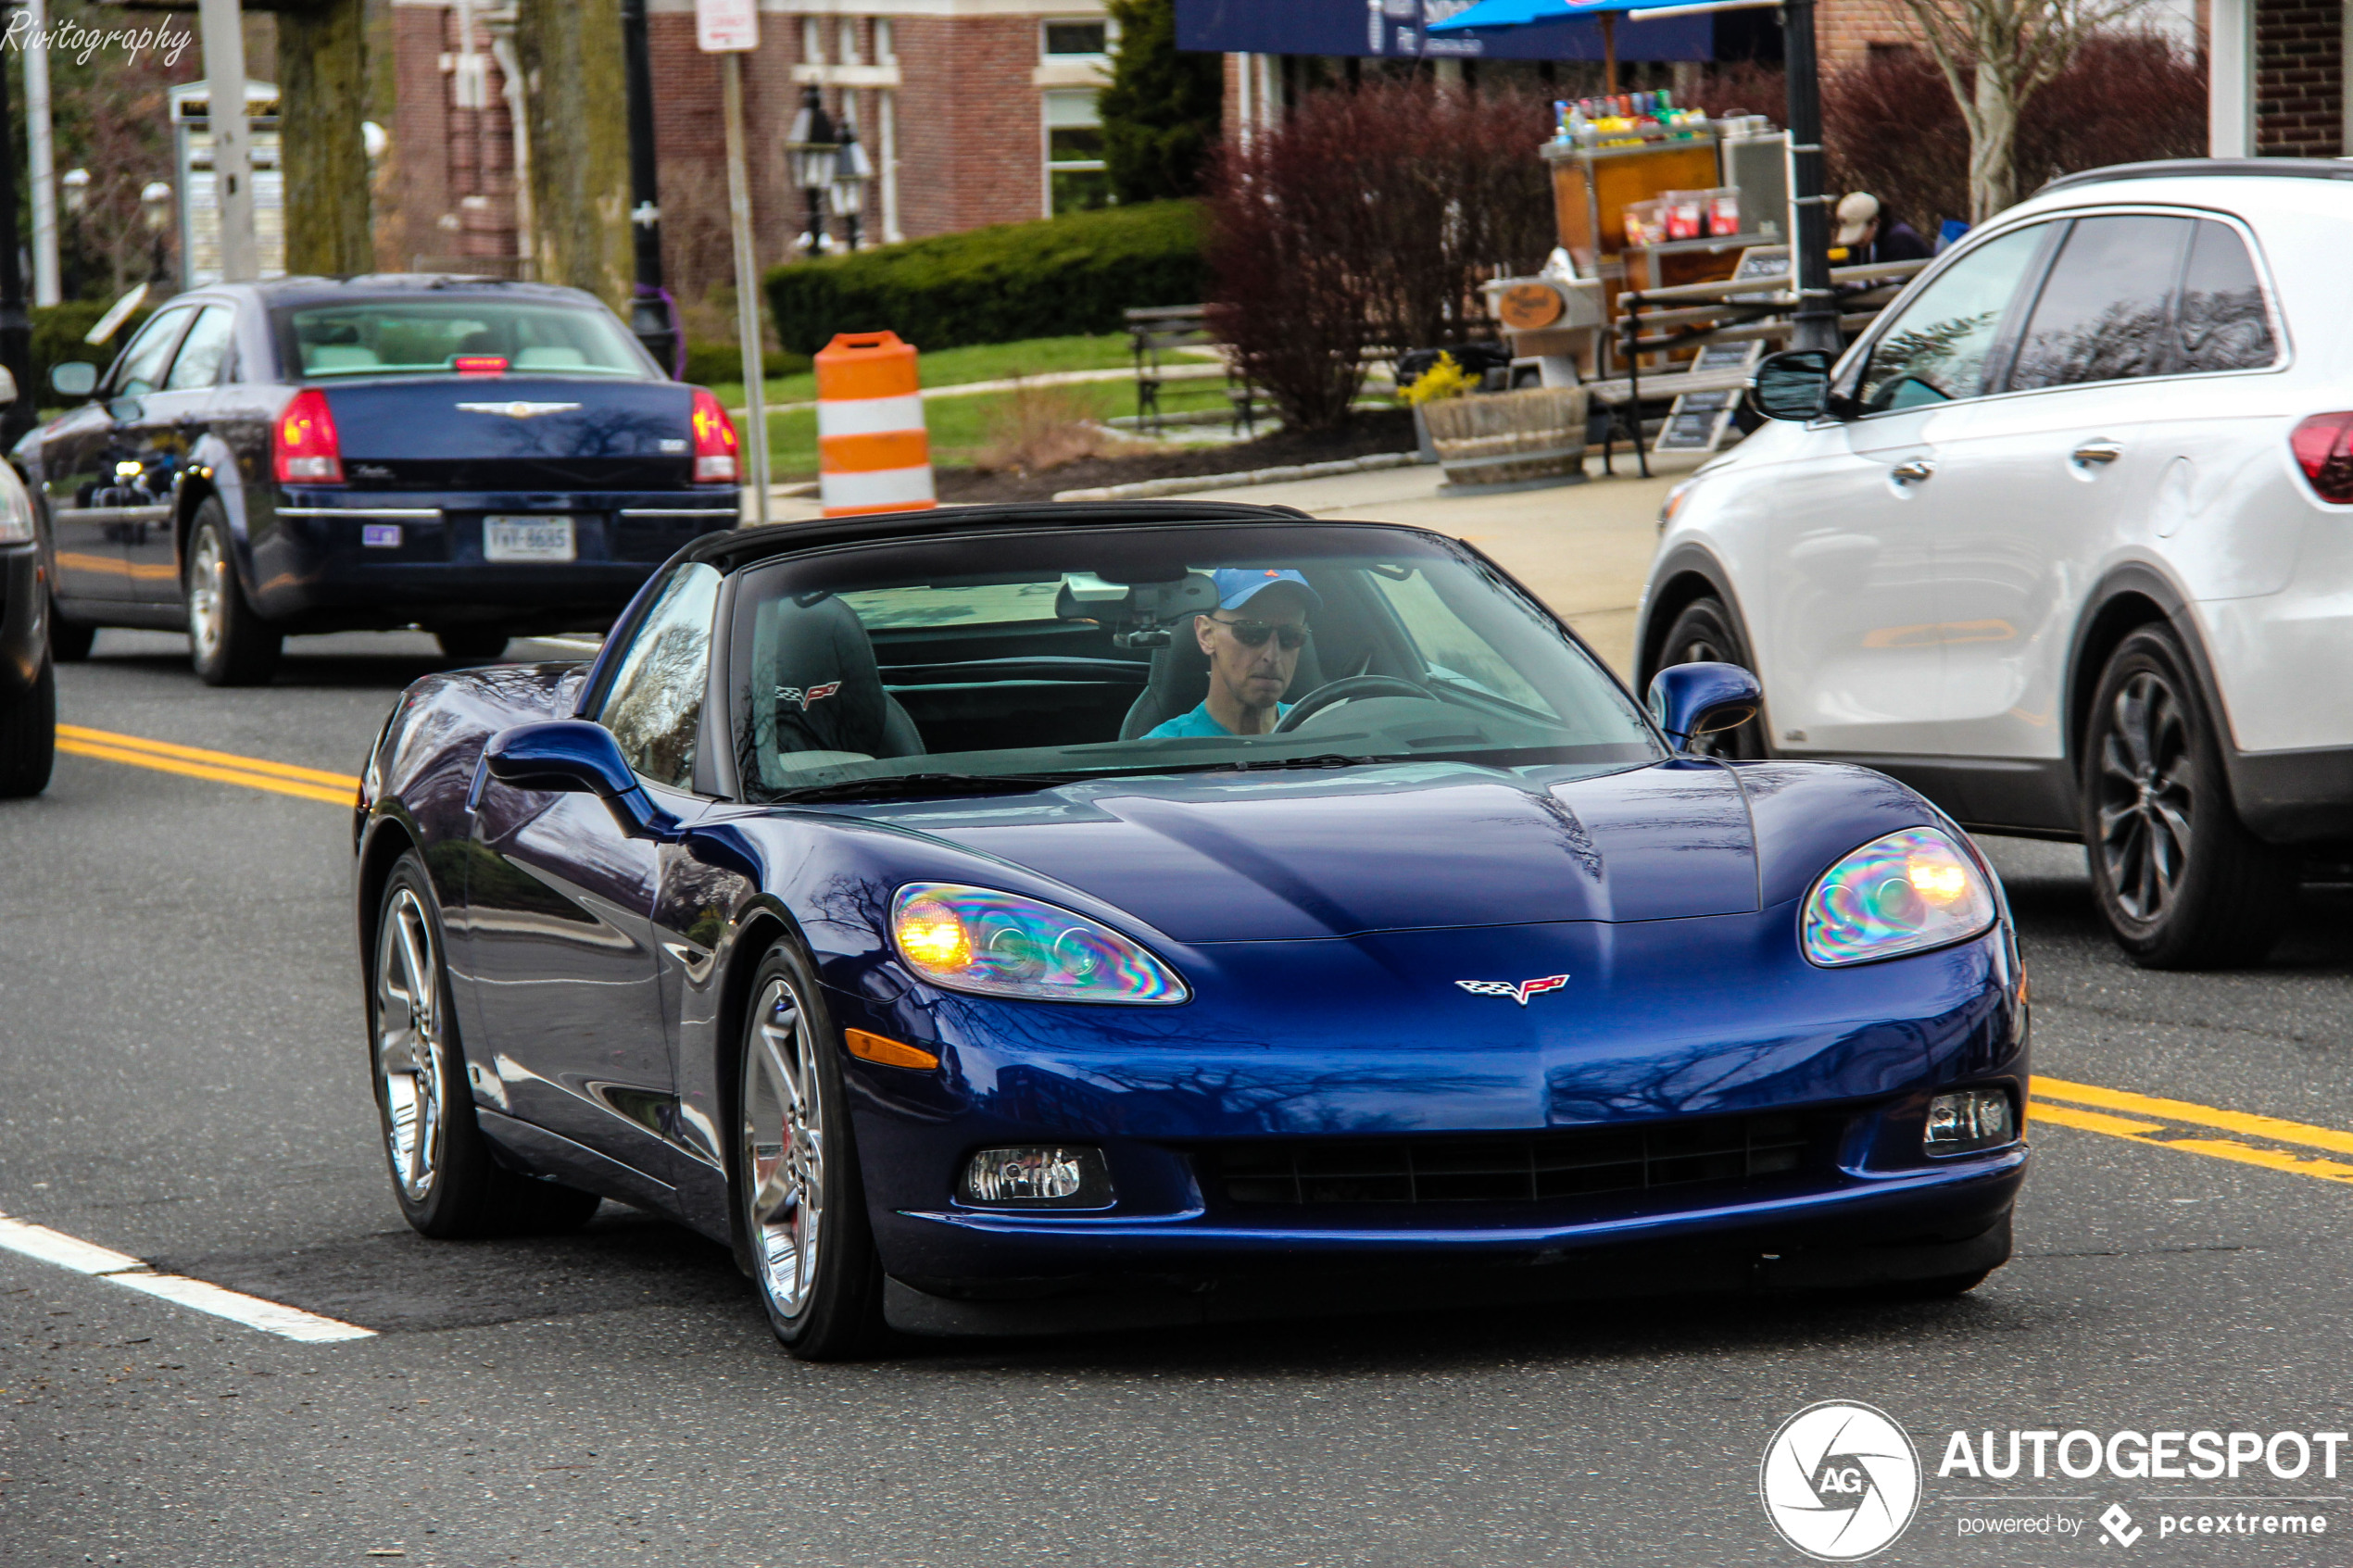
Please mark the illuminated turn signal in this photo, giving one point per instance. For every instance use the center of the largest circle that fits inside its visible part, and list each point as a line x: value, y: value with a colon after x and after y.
x: 931, y: 933
x: 890, y: 1052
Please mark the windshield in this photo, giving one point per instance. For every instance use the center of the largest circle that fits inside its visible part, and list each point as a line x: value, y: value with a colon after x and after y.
x: 1034, y: 658
x: 430, y: 336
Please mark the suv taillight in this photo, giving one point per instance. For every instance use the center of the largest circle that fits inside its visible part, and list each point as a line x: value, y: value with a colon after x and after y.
x: 304, y: 448
x: 714, y: 441
x: 2324, y: 446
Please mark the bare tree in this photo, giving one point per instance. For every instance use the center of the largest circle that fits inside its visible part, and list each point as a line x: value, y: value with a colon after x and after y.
x: 323, y: 65
x: 1995, y: 55
x: 579, y: 144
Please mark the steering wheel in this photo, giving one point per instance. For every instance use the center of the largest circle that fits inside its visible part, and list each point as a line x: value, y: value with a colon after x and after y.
x: 1346, y: 689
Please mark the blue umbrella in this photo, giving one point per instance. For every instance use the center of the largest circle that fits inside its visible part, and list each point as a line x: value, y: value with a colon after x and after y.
x: 1527, y: 13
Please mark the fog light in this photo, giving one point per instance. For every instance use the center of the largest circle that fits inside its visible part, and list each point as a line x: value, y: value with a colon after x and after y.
x: 1038, y: 1178
x: 1971, y: 1120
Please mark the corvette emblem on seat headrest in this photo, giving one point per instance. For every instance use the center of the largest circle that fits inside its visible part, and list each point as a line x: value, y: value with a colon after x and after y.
x: 802, y: 699
x: 1519, y: 992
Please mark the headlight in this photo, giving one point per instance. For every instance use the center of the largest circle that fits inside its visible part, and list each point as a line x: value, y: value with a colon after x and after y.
x: 16, y: 511
x: 1906, y: 893
x: 1002, y: 944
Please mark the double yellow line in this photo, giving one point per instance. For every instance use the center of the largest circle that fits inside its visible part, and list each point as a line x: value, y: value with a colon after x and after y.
x: 221, y: 767
x: 2188, y: 1126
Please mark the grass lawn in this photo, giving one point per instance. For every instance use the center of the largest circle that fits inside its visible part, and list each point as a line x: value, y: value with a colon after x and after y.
x: 962, y: 426
x: 985, y: 361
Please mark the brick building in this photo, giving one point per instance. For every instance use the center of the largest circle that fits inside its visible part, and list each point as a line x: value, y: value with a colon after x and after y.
x: 972, y: 112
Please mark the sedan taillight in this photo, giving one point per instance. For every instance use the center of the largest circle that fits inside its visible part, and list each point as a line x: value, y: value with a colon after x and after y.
x: 2324, y: 446
x: 304, y: 448
x: 714, y: 441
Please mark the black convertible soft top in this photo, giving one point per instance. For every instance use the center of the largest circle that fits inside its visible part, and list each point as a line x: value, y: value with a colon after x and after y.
x: 739, y: 547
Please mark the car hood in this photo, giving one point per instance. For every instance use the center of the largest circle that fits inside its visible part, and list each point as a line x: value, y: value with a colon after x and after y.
x: 1222, y: 857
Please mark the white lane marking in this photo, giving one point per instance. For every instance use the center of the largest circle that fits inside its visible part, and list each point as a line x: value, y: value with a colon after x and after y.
x: 121, y: 1268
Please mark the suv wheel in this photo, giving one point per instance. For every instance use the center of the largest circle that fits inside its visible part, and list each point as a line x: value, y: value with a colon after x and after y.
x: 1705, y: 633
x: 2180, y: 880
x: 28, y: 737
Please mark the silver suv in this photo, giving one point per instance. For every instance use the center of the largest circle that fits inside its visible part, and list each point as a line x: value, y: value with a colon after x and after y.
x: 2066, y: 542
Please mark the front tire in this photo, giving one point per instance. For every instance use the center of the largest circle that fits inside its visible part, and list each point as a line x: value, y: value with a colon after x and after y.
x: 29, y: 738
x: 2181, y: 882
x: 231, y: 645
x: 471, y: 645
x: 444, y: 1177
x: 69, y: 640
x: 800, y: 1208
x: 1706, y: 633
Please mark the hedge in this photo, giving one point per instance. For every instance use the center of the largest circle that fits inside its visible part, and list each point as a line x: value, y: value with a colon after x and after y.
x: 1048, y: 279
x: 57, y: 331
x: 711, y: 363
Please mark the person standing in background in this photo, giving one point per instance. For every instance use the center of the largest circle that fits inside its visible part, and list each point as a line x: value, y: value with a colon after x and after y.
x: 1866, y: 236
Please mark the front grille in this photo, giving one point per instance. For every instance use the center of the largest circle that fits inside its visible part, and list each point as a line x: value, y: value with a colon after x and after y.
x: 1530, y: 1168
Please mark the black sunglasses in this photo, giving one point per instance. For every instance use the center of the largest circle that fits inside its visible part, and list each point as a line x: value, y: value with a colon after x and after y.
x: 1253, y: 633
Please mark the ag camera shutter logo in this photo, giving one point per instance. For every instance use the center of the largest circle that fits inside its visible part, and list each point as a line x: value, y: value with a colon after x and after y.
x: 1840, y: 1480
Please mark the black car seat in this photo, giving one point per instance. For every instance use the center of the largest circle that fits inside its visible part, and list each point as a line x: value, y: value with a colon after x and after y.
x: 1178, y: 679
x: 819, y: 689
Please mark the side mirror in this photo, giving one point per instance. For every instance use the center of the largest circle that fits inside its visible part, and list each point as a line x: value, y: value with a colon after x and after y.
x: 1692, y: 700
x: 1792, y: 386
x: 562, y: 754
x: 575, y: 757
x: 73, y: 378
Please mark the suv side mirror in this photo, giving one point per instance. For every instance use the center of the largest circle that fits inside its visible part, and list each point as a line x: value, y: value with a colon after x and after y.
x: 73, y: 378
x: 1795, y: 384
x: 1692, y: 700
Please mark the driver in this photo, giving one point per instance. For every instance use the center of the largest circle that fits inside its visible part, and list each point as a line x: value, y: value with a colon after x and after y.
x: 1253, y: 640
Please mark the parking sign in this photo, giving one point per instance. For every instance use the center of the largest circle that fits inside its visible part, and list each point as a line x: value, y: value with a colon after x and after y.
x: 726, y: 27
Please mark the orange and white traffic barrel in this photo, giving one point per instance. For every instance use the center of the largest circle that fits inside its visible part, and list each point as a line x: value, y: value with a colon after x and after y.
x: 873, y: 454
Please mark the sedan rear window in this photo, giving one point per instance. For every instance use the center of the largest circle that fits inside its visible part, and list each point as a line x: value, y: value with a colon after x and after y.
x: 433, y: 336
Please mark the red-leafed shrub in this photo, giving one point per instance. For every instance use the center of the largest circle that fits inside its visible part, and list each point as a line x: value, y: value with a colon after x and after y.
x: 1891, y: 126
x: 1370, y: 218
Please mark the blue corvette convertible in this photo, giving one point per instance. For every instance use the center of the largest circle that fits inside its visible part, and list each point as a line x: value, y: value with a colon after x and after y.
x: 1016, y: 919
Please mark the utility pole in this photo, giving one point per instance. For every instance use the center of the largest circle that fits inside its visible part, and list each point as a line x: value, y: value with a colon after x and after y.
x: 232, y: 130
x: 40, y: 143
x: 652, y: 315
x: 16, y: 326
x: 1816, y: 317
x: 730, y: 29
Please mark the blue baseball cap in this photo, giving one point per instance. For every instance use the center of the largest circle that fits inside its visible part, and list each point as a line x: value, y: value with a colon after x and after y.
x: 1237, y: 585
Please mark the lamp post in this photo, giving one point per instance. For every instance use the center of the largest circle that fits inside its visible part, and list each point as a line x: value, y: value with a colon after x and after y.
x: 810, y: 148
x: 154, y: 207
x: 76, y: 184
x: 16, y: 322
x: 652, y: 316
x: 852, y: 170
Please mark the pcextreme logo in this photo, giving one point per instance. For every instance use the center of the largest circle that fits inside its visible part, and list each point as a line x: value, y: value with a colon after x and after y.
x: 1840, y: 1480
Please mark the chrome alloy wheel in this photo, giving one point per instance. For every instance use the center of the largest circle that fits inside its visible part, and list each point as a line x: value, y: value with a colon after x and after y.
x: 784, y: 1150
x: 409, y: 1050
x: 2143, y: 797
x: 207, y: 589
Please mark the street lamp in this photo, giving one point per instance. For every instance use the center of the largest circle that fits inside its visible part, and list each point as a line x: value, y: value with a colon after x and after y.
x: 155, y: 206
x: 852, y: 170
x: 76, y: 183
x: 810, y: 148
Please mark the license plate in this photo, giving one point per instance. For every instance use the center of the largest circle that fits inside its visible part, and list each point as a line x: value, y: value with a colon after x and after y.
x: 526, y: 538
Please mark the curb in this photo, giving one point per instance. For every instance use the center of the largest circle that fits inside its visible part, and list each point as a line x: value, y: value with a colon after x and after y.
x: 1188, y: 485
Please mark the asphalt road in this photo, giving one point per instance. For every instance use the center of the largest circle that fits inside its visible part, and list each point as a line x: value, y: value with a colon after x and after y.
x: 183, y: 1079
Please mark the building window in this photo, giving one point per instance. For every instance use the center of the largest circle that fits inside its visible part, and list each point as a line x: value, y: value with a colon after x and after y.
x: 1077, y: 37
x: 1075, y: 179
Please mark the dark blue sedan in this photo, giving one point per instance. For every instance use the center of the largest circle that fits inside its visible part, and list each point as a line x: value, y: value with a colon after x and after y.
x: 484, y: 459
x: 1021, y: 920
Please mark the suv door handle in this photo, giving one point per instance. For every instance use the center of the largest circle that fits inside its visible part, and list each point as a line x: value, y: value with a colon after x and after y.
x: 2092, y: 452
x: 1912, y: 471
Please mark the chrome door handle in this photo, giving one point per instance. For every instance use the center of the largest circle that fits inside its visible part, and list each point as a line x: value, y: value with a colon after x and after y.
x: 2092, y: 452
x: 1912, y: 471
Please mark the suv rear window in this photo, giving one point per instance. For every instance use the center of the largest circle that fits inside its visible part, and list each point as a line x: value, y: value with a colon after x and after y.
x: 429, y: 336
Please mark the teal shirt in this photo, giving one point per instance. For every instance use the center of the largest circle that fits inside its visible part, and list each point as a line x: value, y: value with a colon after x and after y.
x: 1203, y: 725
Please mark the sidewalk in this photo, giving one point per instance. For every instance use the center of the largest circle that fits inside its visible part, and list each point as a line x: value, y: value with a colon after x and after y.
x: 1584, y: 549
